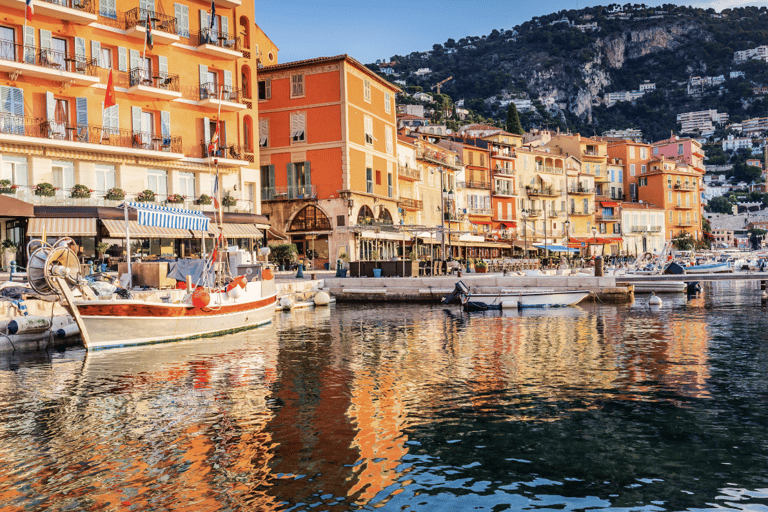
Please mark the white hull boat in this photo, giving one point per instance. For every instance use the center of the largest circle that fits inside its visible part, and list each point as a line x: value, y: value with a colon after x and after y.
x: 515, y: 300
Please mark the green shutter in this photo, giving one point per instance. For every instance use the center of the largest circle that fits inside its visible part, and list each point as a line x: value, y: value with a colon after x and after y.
x: 291, y: 172
x: 307, y: 177
x: 272, y: 176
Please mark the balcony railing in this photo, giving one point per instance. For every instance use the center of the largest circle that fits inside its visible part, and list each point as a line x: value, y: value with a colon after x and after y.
x: 545, y: 192
x: 684, y: 206
x: 410, y: 204
x: 159, y: 80
x: 535, y: 213
x: 47, y: 58
x: 505, y: 192
x: 80, y: 5
x: 645, y: 229
x: 219, y: 39
x: 436, y: 157
x: 685, y: 223
x: 548, y: 169
x: 480, y: 211
x: 579, y: 213
x: 504, y: 171
x: 581, y: 191
x: 224, y: 151
x: 685, y: 186
x: 604, y: 217
x: 138, y: 16
x: 211, y: 91
x: 408, y: 172
x: 288, y: 193
x: 370, y: 221
x: 483, y: 185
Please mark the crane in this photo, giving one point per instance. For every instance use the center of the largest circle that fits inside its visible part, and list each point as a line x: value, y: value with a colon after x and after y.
x: 438, y: 86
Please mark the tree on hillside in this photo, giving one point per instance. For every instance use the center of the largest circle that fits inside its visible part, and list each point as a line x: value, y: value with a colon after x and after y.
x: 720, y: 205
x: 513, y: 120
x: 746, y: 173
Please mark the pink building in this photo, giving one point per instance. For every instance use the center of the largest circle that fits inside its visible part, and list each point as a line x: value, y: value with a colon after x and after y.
x: 682, y: 149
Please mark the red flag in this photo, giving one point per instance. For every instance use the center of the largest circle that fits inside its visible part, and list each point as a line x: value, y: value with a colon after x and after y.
x: 214, y: 254
x: 213, y: 147
x: 149, y: 39
x: 216, y: 193
x: 30, y: 10
x: 109, y: 99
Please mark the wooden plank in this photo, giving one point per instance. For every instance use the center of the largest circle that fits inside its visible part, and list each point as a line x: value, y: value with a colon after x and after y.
x: 73, y: 309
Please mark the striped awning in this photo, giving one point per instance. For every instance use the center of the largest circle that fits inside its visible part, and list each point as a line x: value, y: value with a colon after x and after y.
x: 233, y: 231
x: 116, y: 229
x: 166, y: 217
x: 62, y: 227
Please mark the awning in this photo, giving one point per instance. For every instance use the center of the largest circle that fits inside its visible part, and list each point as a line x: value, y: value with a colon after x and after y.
x: 12, y: 207
x: 520, y: 244
x: 609, y: 204
x: 556, y: 248
x: 116, y: 229
x: 509, y: 224
x: 241, y: 231
x: 62, y: 227
x: 275, y: 235
x: 481, y: 222
x: 545, y: 179
x: 165, y: 217
x: 372, y: 235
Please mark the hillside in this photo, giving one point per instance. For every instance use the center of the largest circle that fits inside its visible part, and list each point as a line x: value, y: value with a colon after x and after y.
x: 567, y: 64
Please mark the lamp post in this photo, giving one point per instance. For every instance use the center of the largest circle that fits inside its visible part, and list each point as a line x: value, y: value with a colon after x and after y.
x: 524, y: 212
x: 594, y: 237
x: 567, y: 225
x: 449, y: 208
x: 442, y: 215
x: 546, y: 247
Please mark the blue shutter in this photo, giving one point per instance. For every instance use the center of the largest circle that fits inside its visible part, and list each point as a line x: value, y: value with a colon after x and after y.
x: 165, y: 127
x: 17, y: 109
x: 82, y: 119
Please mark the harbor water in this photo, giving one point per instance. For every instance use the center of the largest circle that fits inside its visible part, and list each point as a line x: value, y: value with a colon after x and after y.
x: 406, y: 407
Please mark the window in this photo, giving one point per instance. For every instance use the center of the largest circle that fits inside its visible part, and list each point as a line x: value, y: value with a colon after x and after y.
x: 263, y: 133
x: 108, y: 8
x: 367, y: 90
x: 655, y: 151
x: 187, y: 184
x: 586, y: 168
x: 482, y: 160
x: 613, y: 174
x: 298, y: 127
x: 369, y: 180
x: 157, y: 182
x: 643, y: 168
x: 469, y: 158
x: 182, y: 19
x: 631, y: 169
x: 105, y: 178
x: 299, y: 180
x: 389, y: 185
x: 14, y: 169
x: 679, y: 149
x: 669, y: 196
x: 297, y: 86
x: 265, y: 89
x: 631, y: 152
x: 643, y: 153
x: 60, y: 119
x: 389, y: 138
x: 387, y: 102
x: 669, y: 181
x: 8, y: 36
x: 105, y: 58
x: 509, y: 211
x: 369, y: 130
x: 597, y: 169
x: 63, y: 175
x: 621, y: 175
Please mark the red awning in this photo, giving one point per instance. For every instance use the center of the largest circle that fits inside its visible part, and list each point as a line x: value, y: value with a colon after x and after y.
x: 509, y: 224
x: 609, y: 204
x: 483, y: 222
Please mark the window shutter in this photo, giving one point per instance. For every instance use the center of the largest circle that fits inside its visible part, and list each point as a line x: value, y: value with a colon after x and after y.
x: 227, y: 81
x: 203, y: 80
x: 96, y: 52
x: 162, y: 65
x: 204, y: 25
x: 136, y: 119
x: 291, y: 171
x: 146, y: 5
x: 165, y: 125
x: 114, y: 118
x: 389, y: 139
x: 122, y: 59
x: 45, y: 39
x: 134, y: 59
x: 50, y: 106
x: 206, y: 130
x: 225, y: 28
x: 182, y: 19
x: 263, y: 132
x: 307, y: 175
x: 272, y: 176
x: 29, y: 44
x: 82, y: 119
x: 268, y: 87
x: 17, y: 107
x: 80, y: 49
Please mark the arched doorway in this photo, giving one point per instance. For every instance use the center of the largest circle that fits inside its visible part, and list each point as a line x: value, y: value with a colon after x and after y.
x: 385, y: 217
x: 244, y: 25
x: 309, y: 231
x: 245, y: 81
x: 248, y: 134
x: 365, y: 216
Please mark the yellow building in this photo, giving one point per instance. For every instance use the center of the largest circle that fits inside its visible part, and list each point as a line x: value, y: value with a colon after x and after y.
x: 156, y: 138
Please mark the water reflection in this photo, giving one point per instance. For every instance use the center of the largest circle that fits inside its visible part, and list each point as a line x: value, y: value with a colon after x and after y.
x: 405, y: 407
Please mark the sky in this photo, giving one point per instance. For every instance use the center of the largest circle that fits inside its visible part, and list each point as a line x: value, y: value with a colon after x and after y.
x: 374, y: 29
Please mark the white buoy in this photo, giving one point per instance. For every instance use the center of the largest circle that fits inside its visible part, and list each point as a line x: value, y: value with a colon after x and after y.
x: 286, y: 303
x: 67, y: 331
x: 27, y: 324
x: 654, y: 300
x: 322, y: 299
x: 235, y: 293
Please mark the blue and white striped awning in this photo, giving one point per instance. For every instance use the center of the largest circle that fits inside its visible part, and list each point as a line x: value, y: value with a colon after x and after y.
x: 166, y: 217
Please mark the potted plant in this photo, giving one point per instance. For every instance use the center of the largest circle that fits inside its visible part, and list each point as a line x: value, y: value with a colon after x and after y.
x: 81, y: 192
x: 375, y: 256
x: 8, y: 248
x: 101, y: 248
x: 342, y: 267
x: 480, y: 266
x: 175, y: 198
x: 6, y: 187
x: 115, y: 194
x: 45, y: 189
x: 283, y: 254
x: 228, y: 201
x: 146, y: 197
x: 203, y: 199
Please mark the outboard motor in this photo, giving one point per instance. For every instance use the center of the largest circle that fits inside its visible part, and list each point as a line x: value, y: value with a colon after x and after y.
x: 693, y: 288
x: 674, y: 268
x: 455, y: 296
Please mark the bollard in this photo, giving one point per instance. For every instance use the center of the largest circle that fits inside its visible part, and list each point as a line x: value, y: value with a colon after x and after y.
x: 762, y: 285
x: 13, y: 270
x: 313, y: 276
x: 300, y: 273
x: 599, y: 266
x: 338, y: 268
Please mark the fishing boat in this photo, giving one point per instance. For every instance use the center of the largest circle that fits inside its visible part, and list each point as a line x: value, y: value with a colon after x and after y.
x: 509, y: 299
x: 217, y: 303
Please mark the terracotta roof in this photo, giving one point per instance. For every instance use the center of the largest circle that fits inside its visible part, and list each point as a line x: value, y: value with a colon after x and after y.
x: 626, y: 205
x: 409, y: 116
x: 323, y: 60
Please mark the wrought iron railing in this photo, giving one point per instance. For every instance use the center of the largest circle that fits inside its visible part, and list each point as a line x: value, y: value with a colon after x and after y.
x: 410, y: 204
x: 581, y: 190
x: 204, y: 150
x: 480, y: 211
x: 549, y: 169
x: 504, y: 171
x: 218, y: 38
x: 160, y: 21
x: 546, y: 191
x: 158, y: 80
x: 52, y: 59
x: 437, y: 157
x: 408, y: 172
x: 484, y: 185
x: 88, y: 6
x: 685, y: 186
x: 286, y: 193
x: 220, y: 92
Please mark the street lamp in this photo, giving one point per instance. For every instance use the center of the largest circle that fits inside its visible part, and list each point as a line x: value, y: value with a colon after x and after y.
x: 449, y: 205
x: 567, y: 225
x: 442, y: 215
x: 524, y: 212
x: 594, y: 238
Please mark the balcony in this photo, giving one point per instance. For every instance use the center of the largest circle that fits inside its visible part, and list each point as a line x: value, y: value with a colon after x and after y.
x: 548, y: 169
x: 370, y: 221
x: 480, y: 211
x: 507, y: 192
x: 437, y: 157
x: 580, y: 213
x: 581, y: 191
x: 535, y: 213
x: 228, y: 4
x: 407, y: 203
x: 31, y: 61
x: 685, y: 186
x: 163, y: 27
x: 601, y: 178
x: 645, y: 229
x: 481, y: 185
x: 543, y: 192
x: 405, y: 172
x: 503, y: 171
x: 607, y: 218
x: 79, y: 12
x: 213, y: 97
x: 41, y: 132
x: 685, y: 223
x: 218, y: 44
x: 683, y: 206
x: 300, y: 192
x: 227, y: 155
x: 162, y: 85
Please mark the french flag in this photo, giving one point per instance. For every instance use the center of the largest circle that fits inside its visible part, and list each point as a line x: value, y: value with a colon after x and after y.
x: 30, y: 10
x: 216, y: 193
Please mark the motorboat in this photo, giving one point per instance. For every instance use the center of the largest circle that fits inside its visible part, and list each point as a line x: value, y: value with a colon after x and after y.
x: 509, y: 299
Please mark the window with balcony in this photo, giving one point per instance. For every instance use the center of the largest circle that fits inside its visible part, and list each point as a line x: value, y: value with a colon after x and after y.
x: 63, y: 175
x: 369, y: 180
x: 265, y: 89
x: 105, y: 178
x: 298, y: 127
x: 14, y: 169
x: 157, y: 182
x: 297, y: 86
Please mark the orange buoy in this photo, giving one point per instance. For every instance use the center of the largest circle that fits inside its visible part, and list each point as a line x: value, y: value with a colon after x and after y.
x: 242, y: 281
x: 267, y: 274
x: 200, y: 298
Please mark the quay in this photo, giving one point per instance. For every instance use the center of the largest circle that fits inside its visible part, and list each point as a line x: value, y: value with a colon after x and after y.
x: 735, y: 276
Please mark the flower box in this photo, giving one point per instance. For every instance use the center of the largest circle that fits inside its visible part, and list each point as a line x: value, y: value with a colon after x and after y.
x: 146, y: 197
x: 45, y: 189
x: 115, y: 194
x: 228, y: 201
x: 81, y: 192
x: 175, y: 198
x: 204, y: 199
x: 6, y: 187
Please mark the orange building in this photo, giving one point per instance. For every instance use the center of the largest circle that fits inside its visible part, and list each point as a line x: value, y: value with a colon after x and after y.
x: 675, y: 187
x: 327, y: 137
x: 156, y: 138
x: 503, y: 203
x: 635, y: 157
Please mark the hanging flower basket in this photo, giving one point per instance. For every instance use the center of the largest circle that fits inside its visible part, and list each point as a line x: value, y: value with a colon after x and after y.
x: 81, y: 192
x: 228, y: 201
x: 115, y: 194
x: 146, y: 197
x: 176, y: 198
x: 6, y: 187
x: 203, y: 199
x: 45, y: 189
